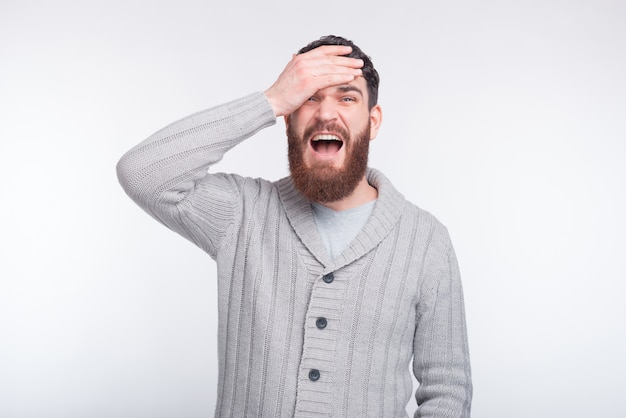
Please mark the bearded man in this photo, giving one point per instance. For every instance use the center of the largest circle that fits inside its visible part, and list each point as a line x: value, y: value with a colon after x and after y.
x: 329, y: 281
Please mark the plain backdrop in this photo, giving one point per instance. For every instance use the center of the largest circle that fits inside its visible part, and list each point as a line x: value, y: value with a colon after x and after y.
x: 505, y: 119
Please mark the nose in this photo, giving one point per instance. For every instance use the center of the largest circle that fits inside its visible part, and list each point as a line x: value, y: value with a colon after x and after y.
x: 327, y: 110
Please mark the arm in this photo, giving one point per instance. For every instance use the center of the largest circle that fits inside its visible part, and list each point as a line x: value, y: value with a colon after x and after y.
x: 441, y: 355
x: 167, y: 173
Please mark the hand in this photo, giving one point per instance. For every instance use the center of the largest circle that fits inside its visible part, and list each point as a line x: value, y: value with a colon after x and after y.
x: 309, y: 72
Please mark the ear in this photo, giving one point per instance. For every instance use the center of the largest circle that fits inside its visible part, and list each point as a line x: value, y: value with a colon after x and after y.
x: 376, y: 118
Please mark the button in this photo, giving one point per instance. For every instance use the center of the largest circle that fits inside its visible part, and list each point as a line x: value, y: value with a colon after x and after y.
x: 328, y: 278
x: 321, y: 322
x: 314, y: 374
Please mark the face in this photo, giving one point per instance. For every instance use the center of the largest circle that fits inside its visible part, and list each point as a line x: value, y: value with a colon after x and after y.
x: 329, y: 141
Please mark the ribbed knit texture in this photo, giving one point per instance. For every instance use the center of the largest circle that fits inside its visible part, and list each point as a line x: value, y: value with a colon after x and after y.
x: 395, y: 294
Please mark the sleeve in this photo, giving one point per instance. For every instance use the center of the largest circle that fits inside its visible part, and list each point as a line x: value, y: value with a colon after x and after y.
x: 441, y: 361
x: 167, y: 174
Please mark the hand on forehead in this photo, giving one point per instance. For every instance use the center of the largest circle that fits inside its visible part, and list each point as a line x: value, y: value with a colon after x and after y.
x: 310, y: 72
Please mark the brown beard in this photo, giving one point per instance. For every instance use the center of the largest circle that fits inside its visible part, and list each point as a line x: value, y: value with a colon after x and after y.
x: 325, y: 183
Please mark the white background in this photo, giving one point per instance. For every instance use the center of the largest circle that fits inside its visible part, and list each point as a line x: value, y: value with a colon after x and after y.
x: 506, y: 119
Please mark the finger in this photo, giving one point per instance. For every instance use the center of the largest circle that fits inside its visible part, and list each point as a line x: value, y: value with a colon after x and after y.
x: 329, y: 65
x: 346, y: 62
x: 328, y: 61
x: 325, y: 50
x: 324, y: 79
x: 342, y: 67
x: 334, y: 55
x: 340, y: 70
x: 318, y: 66
x: 330, y: 80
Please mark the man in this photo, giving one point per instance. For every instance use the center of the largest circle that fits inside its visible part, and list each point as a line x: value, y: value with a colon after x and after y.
x: 329, y: 281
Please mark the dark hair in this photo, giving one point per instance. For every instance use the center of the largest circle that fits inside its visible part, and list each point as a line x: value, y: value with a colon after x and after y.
x: 369, y: 72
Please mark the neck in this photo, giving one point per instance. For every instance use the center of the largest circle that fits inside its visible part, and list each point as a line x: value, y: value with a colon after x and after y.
x: 363, y: 193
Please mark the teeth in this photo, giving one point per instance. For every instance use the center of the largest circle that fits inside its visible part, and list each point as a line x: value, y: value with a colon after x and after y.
x: 326, y: 137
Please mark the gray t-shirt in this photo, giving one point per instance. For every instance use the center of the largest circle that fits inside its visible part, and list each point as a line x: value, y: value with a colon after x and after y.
x: 338, y: 228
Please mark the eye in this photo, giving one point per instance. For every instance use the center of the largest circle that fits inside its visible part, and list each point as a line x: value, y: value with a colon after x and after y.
x: 348, y: 99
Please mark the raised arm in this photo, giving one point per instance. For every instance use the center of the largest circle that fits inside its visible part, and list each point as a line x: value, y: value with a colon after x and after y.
x: 163, y: 173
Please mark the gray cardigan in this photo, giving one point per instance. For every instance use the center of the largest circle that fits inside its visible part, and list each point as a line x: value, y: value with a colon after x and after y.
x: 300, y: 334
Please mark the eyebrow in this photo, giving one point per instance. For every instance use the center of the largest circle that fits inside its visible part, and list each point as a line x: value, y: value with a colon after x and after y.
x: 349, y: 87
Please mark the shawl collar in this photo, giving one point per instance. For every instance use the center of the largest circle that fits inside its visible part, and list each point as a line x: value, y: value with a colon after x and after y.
x: 385, y: 215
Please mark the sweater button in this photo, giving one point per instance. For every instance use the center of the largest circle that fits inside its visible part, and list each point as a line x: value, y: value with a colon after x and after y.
x: 321, y: 322
x: 314, y: 375
x: 328, y: 278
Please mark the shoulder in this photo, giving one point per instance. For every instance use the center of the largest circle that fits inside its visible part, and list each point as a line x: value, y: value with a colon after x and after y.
x: 394, y: 201
x: 429, y: 224
x: 424, y: 225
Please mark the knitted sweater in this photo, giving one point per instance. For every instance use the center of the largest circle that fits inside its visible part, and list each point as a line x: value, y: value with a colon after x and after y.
x: 301, y: 334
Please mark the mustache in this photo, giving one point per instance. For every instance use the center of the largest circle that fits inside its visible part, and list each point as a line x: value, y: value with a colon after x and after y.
x: 332, y: 128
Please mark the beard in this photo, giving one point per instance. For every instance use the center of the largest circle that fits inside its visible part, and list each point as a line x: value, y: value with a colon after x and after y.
x: 325, y: 183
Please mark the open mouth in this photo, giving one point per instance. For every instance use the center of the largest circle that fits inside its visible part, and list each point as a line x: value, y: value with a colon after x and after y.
x: 326, y: 144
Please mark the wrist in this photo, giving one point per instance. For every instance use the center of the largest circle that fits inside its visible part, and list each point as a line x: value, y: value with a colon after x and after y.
x: 273, y: 103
